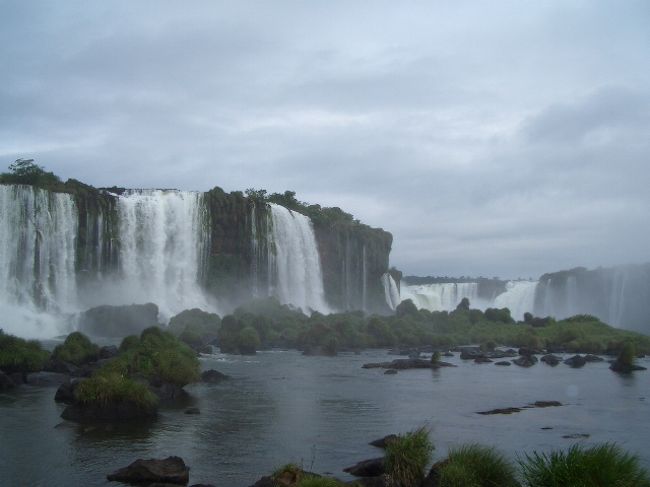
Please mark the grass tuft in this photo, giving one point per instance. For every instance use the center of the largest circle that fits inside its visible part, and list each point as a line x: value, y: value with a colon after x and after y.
x: 477, y: 466
x: 601, y: 465
x: 407, y: 458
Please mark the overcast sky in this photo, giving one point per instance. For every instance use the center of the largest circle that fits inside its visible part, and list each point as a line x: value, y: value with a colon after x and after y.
x: 506, y: 138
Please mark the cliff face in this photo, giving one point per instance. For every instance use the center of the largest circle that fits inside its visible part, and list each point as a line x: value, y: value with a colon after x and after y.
x: 353, y: 258
x: 236, y: 258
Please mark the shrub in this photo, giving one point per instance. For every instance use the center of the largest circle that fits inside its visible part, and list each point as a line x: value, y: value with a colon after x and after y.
x: 110, y: 389
x: 76, y: 349
x: 157, y: 356
x: 407, y: 458
x: 18, y: 355
x: 477, y: 466
x: 605, y: 465
x: 313, y: 481
x: 249, y: 340
x: 627, y: 354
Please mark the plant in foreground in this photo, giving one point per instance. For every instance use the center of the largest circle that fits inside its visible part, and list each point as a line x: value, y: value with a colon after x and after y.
x: 601, y: 465
x: 477, y: 466
x: 407, y: 458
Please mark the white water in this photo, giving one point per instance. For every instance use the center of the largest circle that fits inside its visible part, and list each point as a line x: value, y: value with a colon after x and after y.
x: 296, y: 267
x: 519, y: 298
x: 163, y: 239
x: 390, y: 291
x: 38, y: 231
x: 441, y: 296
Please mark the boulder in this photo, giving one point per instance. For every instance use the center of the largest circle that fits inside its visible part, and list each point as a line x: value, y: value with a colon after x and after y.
x: 118, y: 321
x: 525, y: 361
x: 171, y: 470
x: 5, y: 382
x: 593, y: 358
x: 382, y: 442
x: 390, y: 372
x: 503, y: 363
x: 550, y: 359
x: 529, y: 351
x: 499, y: 411
x: 212, y: 376
x: 407, y: 363
x: 65, y: 392
x: 623, y: 368
x: 57, y: 365
x: 368, y: 468
x: 576, y: 361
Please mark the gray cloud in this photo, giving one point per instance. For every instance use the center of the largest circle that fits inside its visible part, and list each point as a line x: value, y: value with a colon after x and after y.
x: 495, y: 138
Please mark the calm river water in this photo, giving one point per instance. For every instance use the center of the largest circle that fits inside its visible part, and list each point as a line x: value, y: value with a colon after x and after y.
x: 321, y: 412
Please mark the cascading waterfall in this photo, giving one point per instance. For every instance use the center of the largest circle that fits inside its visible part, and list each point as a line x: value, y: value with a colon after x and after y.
x: 440, y: 296
x: 391, y: 290
x: 519, y: 298
x: 38, y: 230
x: 295, y: 266
x: 163, y: 237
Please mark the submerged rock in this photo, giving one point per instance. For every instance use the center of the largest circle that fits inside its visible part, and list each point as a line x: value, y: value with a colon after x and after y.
x: 576, y: 361
x: 407, y: 363
x: 212, y: 376
x: 550, y: 359
x: 623, y: 368
x: 383, y: 442
x: 525, y: 361
x: 503, y: 363
x: 368, y: 468
x: 171, y: 470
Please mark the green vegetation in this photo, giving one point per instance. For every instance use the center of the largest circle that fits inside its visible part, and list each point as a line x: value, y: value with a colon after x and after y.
x: 25, y: 171
x: 407, y: 458
x: 109, y: 389
x: 157, y: 356
x: 602, y: 465
x: 18, y: 355
x: 76, y: 349
x: 477, y: 466
x: 313, y: 481
x: 627, y: 355
x: 280, y: 326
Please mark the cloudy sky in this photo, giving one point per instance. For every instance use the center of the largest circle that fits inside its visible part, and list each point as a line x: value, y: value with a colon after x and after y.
x: 505, y: 138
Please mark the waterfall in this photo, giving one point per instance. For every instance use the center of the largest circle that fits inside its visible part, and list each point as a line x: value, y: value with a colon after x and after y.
x: 296, y: 267
x: 163, y: 239
x: 519, y: 298
x: 390, y: 290
x: 440, y: 296
x: 38, y: 231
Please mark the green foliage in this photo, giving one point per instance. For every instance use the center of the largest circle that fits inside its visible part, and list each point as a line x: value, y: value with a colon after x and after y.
x: 602, y: 465
x: 407, y: 458
x: 406, y: 308
x: 25, y: 171
x: 477, y: 466
x: 156, y: 356
x: 76, y: 349
x: 463, y: 305
x: 111, y: 388
x: 627, y: 354
x: 313, y: 481
x: 249, y: 340
x: 18, y: 355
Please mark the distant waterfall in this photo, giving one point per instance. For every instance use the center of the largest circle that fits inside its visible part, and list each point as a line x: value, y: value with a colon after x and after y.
x: 38, y: 230
x: 519, y: 298
x: 390, y: 290
x: 295, y: 265
x: 163, y: 238
x: 440, y: 296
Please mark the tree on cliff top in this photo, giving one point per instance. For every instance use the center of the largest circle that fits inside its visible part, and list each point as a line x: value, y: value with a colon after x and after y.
x: 25, y: 171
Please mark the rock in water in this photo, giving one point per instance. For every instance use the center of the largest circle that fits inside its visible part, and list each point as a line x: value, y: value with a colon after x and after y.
x: 118, y: 321
x: 382, y: 442
x: 368, y: 468
x: 171, y: 470
x: 212, y: 376
x: 576, y: 361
